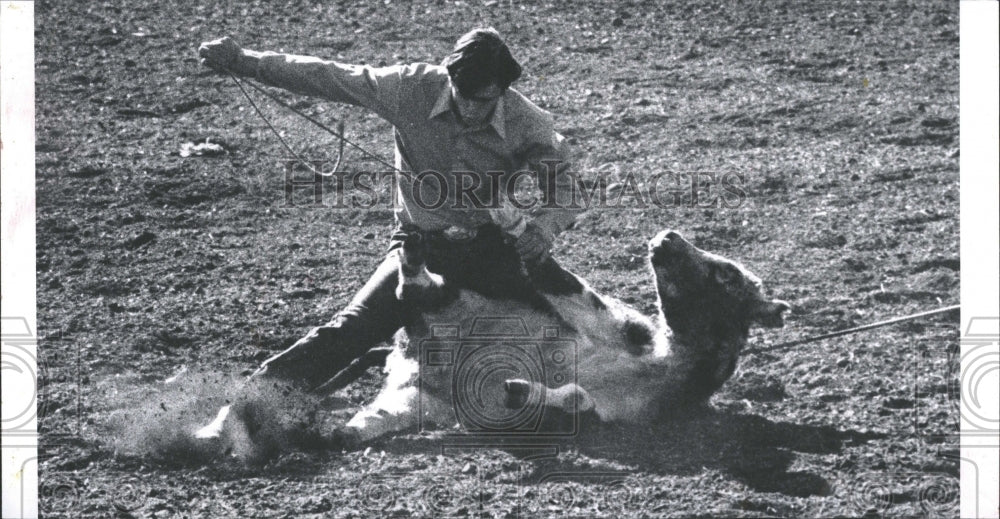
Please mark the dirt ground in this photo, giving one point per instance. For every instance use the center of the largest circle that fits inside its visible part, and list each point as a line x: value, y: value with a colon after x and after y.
x: 841, y: 119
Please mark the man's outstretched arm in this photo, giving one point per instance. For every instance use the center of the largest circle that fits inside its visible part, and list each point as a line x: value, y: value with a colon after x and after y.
x: 375, y: 88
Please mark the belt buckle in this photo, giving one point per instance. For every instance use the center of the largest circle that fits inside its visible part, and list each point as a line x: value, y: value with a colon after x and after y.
x: 457, y: 233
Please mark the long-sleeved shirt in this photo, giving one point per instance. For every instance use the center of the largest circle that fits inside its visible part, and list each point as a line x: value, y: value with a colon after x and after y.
x: 432, y: 144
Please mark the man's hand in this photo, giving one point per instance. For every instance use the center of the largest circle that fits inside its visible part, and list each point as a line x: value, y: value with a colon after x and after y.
x: 222, y: 54
x: 534, y: 243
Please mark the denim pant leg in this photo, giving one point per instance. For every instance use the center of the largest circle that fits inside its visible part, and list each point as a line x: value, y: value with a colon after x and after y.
x: 372, y: 317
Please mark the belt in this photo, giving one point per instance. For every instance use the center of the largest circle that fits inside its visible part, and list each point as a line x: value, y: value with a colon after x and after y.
x: 455, y: 233
x: 460, y: 234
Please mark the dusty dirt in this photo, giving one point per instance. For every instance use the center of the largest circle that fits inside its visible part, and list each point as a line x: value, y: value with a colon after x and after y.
x: 841, y: 117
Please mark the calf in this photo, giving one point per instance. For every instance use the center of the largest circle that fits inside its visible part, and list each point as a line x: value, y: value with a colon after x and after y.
x: 491, y: 365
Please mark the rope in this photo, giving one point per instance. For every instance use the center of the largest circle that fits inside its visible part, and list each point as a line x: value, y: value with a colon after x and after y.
x: 338, y: 134
x: 786, y: 345
x: 281, y: 139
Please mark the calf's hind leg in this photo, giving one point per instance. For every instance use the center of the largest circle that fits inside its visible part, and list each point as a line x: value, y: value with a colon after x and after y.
x: 392, y: 411
x: 417, y: 285
x: 568, y: 398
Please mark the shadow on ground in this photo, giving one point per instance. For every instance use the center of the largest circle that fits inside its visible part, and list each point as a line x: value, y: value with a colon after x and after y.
x: 752, y: 449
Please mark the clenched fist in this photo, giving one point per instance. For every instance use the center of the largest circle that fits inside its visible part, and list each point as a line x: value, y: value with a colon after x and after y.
x: 534, y: 243
x: 222, y: 54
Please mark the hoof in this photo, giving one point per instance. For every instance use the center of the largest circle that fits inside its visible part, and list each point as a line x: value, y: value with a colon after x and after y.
x: 214, y: 429
x: 516, y: 393
x: 346, y: 438
x: 571, y: 398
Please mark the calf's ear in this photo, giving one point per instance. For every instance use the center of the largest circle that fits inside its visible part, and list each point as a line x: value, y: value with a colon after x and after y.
x: 769, y: 313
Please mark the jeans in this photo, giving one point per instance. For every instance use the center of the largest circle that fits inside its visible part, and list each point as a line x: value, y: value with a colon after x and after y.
x: 487, y: 263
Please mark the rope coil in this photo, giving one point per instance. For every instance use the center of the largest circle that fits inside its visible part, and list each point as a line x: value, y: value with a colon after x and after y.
x: 339, y: 133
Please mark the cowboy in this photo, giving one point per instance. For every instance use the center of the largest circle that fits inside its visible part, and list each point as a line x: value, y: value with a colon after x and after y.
x: 457, y: 122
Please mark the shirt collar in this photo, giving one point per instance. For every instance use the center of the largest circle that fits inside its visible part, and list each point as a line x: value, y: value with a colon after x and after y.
x: 443, y: 104
x: 497, y: 120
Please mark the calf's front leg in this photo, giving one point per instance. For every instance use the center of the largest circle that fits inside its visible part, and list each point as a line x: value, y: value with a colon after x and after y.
x: 417, y: 285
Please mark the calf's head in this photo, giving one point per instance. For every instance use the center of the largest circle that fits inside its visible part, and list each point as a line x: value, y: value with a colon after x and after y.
x: 705, y: 297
